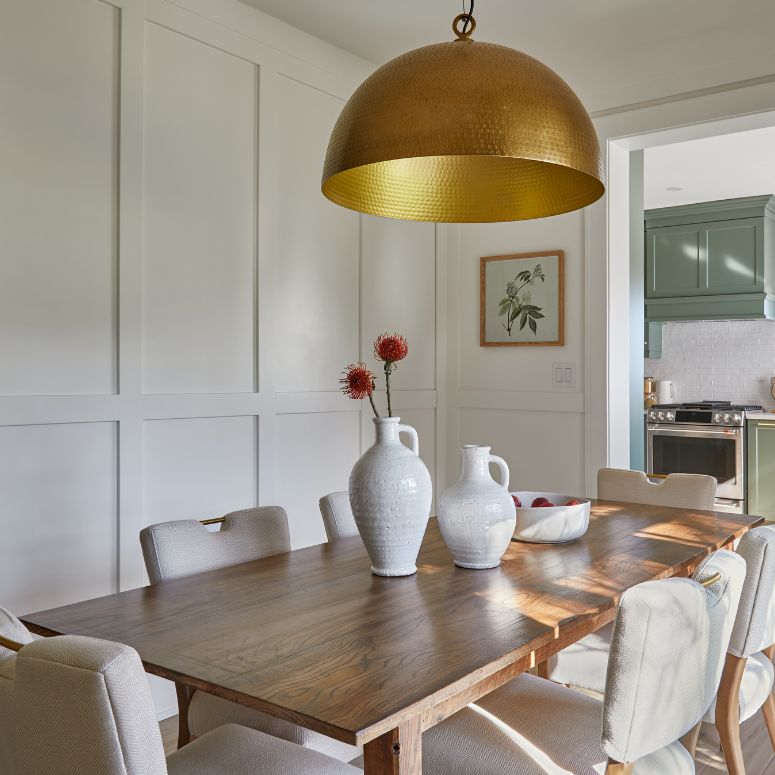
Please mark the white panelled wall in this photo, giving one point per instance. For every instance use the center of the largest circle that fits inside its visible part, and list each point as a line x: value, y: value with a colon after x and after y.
x: 503, y: 396
x: 177, y: 299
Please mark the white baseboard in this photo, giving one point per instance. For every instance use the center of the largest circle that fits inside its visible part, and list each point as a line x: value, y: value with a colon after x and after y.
x: 168, y: 712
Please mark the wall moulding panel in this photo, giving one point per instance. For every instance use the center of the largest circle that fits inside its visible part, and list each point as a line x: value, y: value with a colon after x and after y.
x: 200, y: 211
x: 59, y: 513
x: 520, y: 400
x: 543, y: 449
x: 59, y: 76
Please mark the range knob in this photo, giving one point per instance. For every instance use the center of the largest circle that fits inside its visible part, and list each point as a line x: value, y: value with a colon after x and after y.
x: 670, y: 416
x: 738, y: 419
x: 717, y: 417
x: 727, y: 417
x: 661, y: 415
x: 652, y: 415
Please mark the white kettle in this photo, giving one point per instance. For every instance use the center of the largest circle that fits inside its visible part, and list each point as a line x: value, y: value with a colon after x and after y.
x: 665, y: 391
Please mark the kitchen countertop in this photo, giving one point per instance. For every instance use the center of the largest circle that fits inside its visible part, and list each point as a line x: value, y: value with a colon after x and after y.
x: 760, y: 416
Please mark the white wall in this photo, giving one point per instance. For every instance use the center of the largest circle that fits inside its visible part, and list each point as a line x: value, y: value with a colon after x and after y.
x: 503, y: 396
x: 177, y: 299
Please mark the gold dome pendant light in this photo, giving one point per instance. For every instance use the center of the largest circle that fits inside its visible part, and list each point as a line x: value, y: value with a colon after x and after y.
x: 463, y: 132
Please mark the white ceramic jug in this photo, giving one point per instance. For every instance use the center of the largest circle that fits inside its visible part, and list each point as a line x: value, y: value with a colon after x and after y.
x: 665, y: 391
x: 477, y: 516
x: 390, y: 496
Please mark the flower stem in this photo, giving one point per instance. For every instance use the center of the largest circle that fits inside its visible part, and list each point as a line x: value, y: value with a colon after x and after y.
x: 388, y: 368
x: 373, y: 405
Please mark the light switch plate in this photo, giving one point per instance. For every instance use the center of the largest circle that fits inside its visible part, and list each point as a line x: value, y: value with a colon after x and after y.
x: 564, y: 375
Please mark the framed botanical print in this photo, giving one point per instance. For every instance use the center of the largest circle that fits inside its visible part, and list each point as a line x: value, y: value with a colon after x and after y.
x: 522, y: 299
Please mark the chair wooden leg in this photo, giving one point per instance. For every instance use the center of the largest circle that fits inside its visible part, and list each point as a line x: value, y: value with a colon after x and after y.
x: 617, y: 768
x: 728, y: 714
x: 184, y: 699
x: 689, y: 740
x: 768, y: 709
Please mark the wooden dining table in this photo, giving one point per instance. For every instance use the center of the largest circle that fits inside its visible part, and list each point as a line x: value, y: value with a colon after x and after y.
x: 312, y: 637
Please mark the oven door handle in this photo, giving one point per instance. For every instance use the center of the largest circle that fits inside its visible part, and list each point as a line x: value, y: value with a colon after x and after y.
x: 690, y: 431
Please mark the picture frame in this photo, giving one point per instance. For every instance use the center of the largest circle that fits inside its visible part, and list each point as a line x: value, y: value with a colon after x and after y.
x: 522, y: 299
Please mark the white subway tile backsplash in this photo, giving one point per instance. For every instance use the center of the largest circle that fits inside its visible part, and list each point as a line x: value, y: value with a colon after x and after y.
x: 719, y: 360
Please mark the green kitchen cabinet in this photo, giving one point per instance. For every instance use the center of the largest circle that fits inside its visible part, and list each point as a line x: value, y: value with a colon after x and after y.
x: 714, y: 260
x: 761, y: 468
x: 652, y: 345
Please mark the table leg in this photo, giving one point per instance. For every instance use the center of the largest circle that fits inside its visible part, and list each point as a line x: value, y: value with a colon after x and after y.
x: 398, y: 752
x: 184, y: 698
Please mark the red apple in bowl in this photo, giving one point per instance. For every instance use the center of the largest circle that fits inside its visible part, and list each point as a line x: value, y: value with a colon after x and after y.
x: 517, y: 501
x: 541, y: 503
x: 574, y: 502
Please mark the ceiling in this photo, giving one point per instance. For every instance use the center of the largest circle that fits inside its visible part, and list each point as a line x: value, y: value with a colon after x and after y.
x: 740, y: 164
x: 612, y: 52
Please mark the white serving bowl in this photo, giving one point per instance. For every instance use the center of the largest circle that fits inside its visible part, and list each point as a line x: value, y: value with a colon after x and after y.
x: 551, y: 524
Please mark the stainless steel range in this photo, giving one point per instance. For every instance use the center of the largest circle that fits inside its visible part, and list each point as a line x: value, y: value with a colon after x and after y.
x: 707, y: 437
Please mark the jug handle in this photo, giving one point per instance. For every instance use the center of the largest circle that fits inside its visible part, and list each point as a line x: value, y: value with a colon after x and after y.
x: 501, y: 463
x: 415, y: 439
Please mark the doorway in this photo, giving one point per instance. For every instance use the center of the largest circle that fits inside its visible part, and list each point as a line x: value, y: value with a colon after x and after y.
x: 628, y: 158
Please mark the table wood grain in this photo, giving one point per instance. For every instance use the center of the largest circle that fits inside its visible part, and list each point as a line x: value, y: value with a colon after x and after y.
x: 311, y: 636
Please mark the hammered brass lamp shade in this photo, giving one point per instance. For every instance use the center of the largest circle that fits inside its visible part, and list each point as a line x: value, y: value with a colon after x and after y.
x: 463, y: 132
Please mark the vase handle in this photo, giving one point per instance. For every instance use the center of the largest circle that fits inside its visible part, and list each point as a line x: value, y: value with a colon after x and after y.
x: 415, y: 438
x: 501, y: 463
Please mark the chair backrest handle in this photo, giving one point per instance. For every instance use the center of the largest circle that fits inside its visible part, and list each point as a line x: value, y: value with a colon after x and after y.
x: 10, y: 644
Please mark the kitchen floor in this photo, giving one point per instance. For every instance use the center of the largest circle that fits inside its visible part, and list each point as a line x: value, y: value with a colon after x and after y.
x: 758, y: 753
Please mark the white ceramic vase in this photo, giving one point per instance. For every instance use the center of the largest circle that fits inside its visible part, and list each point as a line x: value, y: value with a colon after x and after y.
x: 390, y: 496
x: 477, y: 516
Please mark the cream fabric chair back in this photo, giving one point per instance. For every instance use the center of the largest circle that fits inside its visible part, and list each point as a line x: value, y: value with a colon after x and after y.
x: 338, y: 516
x: 681, y: 491
x: 182, y: 548
x: 755, y: 626
x: 13, y: 629
x: 84, y: 706
x: 668, y: 648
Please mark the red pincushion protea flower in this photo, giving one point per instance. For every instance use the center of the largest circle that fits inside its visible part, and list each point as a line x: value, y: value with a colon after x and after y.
x: 390, y: 348
x: 357, y: 382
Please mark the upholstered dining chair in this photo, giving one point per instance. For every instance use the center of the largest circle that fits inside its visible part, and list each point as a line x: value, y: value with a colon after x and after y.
x: 584, y: 663
x: 184, y: 547
x: 667, y: 655
x: 83, y: 705
x: 12, y: 629
x: 338, y: 516
x: 747, y: 682
x: 181, y: 548
x: 681, y: 491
